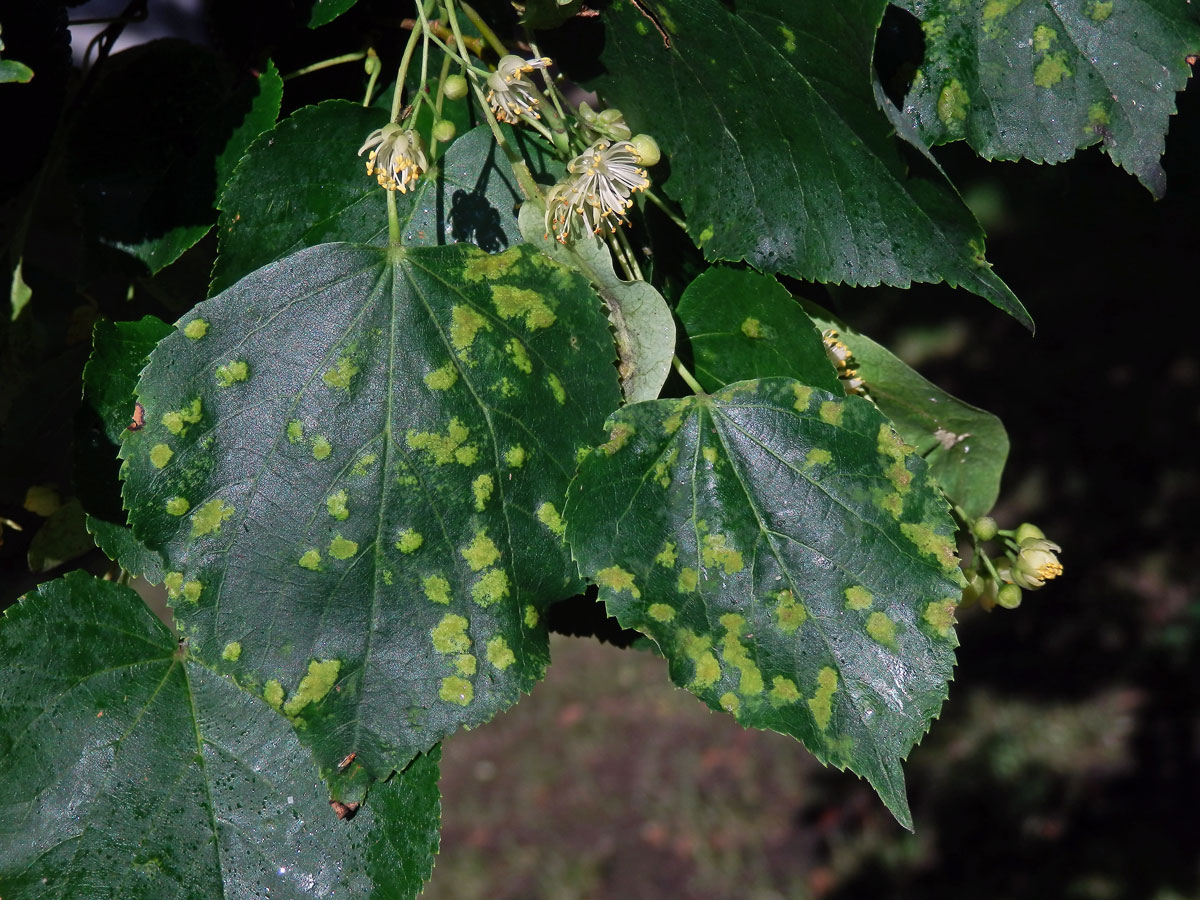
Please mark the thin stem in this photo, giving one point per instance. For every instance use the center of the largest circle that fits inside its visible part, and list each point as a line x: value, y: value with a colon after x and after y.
x: 686, y: 375
x: 619, y: 256
x: 538, y: 127
x: 623, y: 240
x: 398, y: 93
x: 484, y: 29
x: 663, y: 205
x: 325, y: 64
x: 373, y: 68
x: 393, y: 220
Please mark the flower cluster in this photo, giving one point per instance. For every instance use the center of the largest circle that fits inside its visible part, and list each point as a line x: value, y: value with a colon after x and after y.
x: 597, y: 190
x: 398, y: 157
x: 1030, y: 560
x: 510, y: 93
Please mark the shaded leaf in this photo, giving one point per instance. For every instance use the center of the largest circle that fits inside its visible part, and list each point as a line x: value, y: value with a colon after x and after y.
x: 353, y: 462
x: 119, y: 351
x: 325, y: 11
x: 118, y: 544
x: 61, y: 538
x: 1040, y: 80
x: 789, y: 555
x: 129, y: 769
x: 548, y: 13
x: 822, y: 192
x: 19, y: 293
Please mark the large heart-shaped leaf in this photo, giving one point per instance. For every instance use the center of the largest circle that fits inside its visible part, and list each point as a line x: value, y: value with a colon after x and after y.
x: 779, y: 153
x: 130, y: 769
x: 353, y: 462
x: 1041, y: 79
x: 791, y: 558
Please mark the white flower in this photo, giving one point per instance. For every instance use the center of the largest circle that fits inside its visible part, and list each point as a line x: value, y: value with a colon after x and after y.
x: 398, y: 158
x: 597, y: 190
x: 1036, y: 563
x: 510, y: 93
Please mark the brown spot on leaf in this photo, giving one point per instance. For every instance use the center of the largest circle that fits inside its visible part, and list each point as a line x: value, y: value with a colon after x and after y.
x: 344, y: 810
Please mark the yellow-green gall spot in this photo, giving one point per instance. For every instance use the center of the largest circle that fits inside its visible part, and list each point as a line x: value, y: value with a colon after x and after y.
x: 818, y: 456
x: 890, y: 446
x: 730, y: 702
x: 531, y: 616
x: 831, y: 412
x: 995, y: 9
x: 322, y: 673
x: 752, y: 328
x: 295, y: 431
x: 173, y: 582
x: 715, y: 551
x: 789, y: 39
x: 705, y: 236
x: 498, y: 653
x: 662, y: 468
x: 667, y: 555
x: 803, y: 396
x: 335, y: 504
x: 735, y: 653
x: 549, y: 516
x: 450, y: 634
x: 456, y: 690
x: 482, y: 265
x: 556, y: 388
x: 953, y: 104
x: 342, y: 548
x: 311, y: 560
x: 445, y: 448
x: 892, y: 503
x: 388, y: 577
x: 519, y: 356
x: 177, y: 506
x: 697, y: 649
x: 932, y: 544
x: 1098, y: 115
x: 160, y: 455
x: 687, y: 581
x: 939, y: 615
x: 492, y: 587
x: 1043, y: 37
x: 196, y: 329
x: 209, y: 518
x: 821, y: 702
x: 437, y: 589
x: 481, y: 490
x: 191, y: 591
x: 661, y: 612
x: 710, y: 455
x: 617, y: 579
x: 464, y: 325
x: 443, y: 378
x: 617, y: 438
x: 481, y: 552
x: 783, y: 691
x: 409, y: 541
x: 231, y: 373
x: 790, y: 613
x: 340, y: 375
x: 1051, y: 70
x: 466, y: 664
x: 858, y: 597
x: 641, y: 27
x: 515, y: 457
x: 1099, y: 11
x: 882, y: 629
x: 321, y: 447
x: 273, y: 694
x: 363, y: 464
x: 176, y: 422
x: 232, y: 651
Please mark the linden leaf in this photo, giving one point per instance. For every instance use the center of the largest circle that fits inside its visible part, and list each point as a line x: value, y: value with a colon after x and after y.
x: 368, y: 453
x: 789, y: 555
x: 122, y: 755
x: 1040, y: 80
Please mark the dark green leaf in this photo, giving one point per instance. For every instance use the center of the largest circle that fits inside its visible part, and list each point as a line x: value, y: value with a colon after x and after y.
x: 779, y: 153
x: 548, y: 13
x: 790, y: 556
x: 353, y: 461
x: 119, y: 351
x: 61, y: 538
x: 302, y: 185
x: 119, y: 545
x: 744, y: 325
x: 19, y: 293
x: 1042, y: 79
x: 325, y: 11
x: 131, y: 770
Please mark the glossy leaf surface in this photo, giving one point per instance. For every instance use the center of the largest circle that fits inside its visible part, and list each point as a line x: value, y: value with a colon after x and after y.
x: 790, y: 556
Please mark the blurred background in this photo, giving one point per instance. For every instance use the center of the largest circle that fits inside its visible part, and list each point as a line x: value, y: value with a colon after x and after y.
x: 1065, y: 762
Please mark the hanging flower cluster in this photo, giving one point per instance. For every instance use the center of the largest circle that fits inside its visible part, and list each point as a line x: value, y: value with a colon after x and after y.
x: 398, y: 157
x: 596, y: 194
x: 1029, y: 561
x: 510, y: 93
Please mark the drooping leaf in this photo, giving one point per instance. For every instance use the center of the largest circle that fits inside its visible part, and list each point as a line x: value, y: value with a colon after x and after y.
x: 966, y: 447
x: 119, y: 351
x: 149, y: 171
x: 131, y: 769
x: 302, y: 185
x: 779, y: 154
x: 354, y: 461
x: 1040, y: 79
x: 744, y: 325
x: 325, y: 11
x: 118, y: 544
x: 790, y: 556
x: 61, y: 538
x: 642, y: 322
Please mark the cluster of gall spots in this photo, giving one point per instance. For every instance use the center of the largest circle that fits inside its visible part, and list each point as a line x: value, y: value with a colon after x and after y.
x: 311, y: 560
x: 939, y: 615
x: 437, y: 589
x: 817, y: 456
x: 803, y: 394
x: 443, y: 378
x: 481, y: 489
x: 752, y: 328
x: 715, y: 551
x: 480, y: 265
x: 481, y: 552
x: 335, y: 505
x: 160, y: 455
x: 617, y: 579
x: 952, y: 106
x: 445, y: 448
x: 313, y: 687
x: 663, y: 467
x: 231, y: 373
x: 531, y: 616
x: 491, y: 587
x: 789, y: 39
x: 232, y: 651
x: 698, y: 649
x: 882, y: 630
x: 409, y: 541
x: 519, y: 356
x: 342, y: 548
x: 518, y: 303
x: 514, y: 457
x: 339, y: 376
x: 499, y: 654
x: 789, y: 612
x: 672, y: 422
x: 667, y: 555
x: 783, y: 691
x: 196, y: 329
x: 661, y: 612
x: 858, y: 597
x: 178, y: 589
x: 932, y: 544
x: 894, y: 452
x: 688, y: 580
x: 465, y: 324
x: 209, y: 518
x: 549, y: 516
x: 617, y: 438
x: 177, y: 421
x: 734, y: 652
x: 821, y: 703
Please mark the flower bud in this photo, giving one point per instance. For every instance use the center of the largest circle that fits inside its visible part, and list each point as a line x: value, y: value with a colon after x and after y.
x: 1028, y: 530
x: 1009, y: 596
x: 444, y: 130
x: 1036, y: 563
x: 646, y: 149
x: 984, y: 528
x: 455, y: 88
